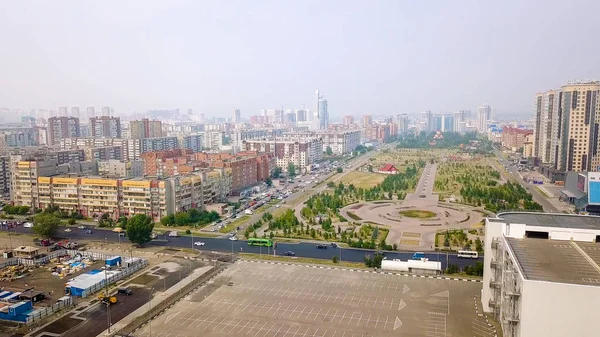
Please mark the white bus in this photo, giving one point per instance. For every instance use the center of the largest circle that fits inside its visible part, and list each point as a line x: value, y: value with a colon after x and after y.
x: 468, y: 254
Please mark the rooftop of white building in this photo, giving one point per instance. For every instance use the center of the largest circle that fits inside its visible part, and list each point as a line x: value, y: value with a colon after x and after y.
x: 551, y: 220
x: 557, y: 261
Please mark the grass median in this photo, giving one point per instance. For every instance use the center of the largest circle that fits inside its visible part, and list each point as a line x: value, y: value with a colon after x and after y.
x: 306, y: 260
x: 232, y: 225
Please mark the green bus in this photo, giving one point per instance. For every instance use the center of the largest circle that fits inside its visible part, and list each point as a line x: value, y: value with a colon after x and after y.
x: 260, y: 242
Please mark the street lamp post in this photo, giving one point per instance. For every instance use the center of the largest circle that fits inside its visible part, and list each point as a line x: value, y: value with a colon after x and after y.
x: 149, y: 309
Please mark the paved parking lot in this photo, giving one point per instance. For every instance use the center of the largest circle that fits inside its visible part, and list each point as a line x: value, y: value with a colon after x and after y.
x: 299, y: 301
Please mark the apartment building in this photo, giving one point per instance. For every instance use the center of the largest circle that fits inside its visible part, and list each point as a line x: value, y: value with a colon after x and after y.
x: 4, y: 175
x: 120, y: 169
x: 246, y: 169
x: 18, y: 137
x: 145, y: 128
x: 302, y: 152
x: 579, y: 109
x: 62, y: 127
x: 104, y: 153
x: 191, y: 142
x: 545, y: 133
x: 514, y: 138
x: 105, y: 127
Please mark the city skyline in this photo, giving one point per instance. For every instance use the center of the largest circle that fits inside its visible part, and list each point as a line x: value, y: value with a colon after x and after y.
x: 83, y: 55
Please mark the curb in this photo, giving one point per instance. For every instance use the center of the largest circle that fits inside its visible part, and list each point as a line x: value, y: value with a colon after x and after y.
x: 365, y: 271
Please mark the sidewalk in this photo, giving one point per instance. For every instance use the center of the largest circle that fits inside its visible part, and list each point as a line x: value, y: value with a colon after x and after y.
x: 158, y: 297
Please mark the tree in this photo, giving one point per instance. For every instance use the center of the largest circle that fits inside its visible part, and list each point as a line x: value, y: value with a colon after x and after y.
x: 269, y: 182
x: 334, y: 259
x: 45, y: 225
x: 71, y: 221
x: 139, y: 229
x: 452, y: 269
x: 478, y: 245
x: 339, y: 170
x: 276, y: 173
x: 329, y: 151
x: 291, y: 169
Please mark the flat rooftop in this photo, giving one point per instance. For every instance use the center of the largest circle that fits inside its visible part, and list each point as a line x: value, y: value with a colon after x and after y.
x: 552, y: 220
x: 557, y: 261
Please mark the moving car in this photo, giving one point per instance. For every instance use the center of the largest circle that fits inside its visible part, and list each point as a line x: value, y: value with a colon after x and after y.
x: 81, y: 227
x: 67, y: 229
x: 322, y: 246
x: 28, y: 225
x: 173, y: 234
x: 233, y: 238
x: 290, y: 253
x: 198, y: 243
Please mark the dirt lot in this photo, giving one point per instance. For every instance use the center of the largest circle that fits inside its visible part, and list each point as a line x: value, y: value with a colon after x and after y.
x: 362, y: 179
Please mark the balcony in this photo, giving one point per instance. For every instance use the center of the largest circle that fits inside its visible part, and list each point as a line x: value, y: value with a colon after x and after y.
x: 494, y: 263
x: 495, y: 243
x: 512, y: 319
x: 495, y: 284
x: 493, y: 304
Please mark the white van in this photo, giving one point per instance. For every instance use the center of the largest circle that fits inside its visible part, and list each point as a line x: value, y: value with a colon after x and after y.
x: 173, y: 234
x: 249, y: 212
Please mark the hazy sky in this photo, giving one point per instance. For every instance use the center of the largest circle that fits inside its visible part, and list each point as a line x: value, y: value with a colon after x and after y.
x: 379, y: 57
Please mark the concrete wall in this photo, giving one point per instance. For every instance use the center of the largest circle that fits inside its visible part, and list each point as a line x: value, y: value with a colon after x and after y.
x: 558, y: 310
x: 493, y: 229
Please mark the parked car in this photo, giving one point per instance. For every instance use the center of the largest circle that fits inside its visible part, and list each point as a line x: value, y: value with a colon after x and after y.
x: 81, y: 227
x: 290, y: 253
x: 125, y: 291
x: 233, y: 238
x: 198, y: 243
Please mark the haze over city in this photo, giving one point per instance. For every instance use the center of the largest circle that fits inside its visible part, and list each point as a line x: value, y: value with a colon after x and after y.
x: 377, y: 58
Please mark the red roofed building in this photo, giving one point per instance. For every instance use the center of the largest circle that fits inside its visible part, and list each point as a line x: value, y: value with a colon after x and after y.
x: 388, y: 169
x: 514, y: 138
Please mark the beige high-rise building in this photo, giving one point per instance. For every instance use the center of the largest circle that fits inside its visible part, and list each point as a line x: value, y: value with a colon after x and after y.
x: 545, y: 133
x: 105, y: 127
x: 145, y: 128
x: 578, y: 137
x: 61, y: 128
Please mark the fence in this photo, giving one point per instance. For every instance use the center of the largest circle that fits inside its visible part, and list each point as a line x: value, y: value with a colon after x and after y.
x: 114, y: 278
x: 46, y: 311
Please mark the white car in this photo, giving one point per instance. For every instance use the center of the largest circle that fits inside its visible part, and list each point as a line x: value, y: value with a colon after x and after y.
x: 28, y: 225
x: 68, y: 230
x: 233, y: 238
x: 81, y: 227
x: 198, y: 243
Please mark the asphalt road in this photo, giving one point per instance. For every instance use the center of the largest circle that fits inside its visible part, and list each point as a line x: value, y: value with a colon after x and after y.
x: 537, y: 197
x: 223, y: 245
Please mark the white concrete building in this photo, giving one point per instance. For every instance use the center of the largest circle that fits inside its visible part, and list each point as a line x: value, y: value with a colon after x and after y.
x: 541, y: 273
x: 302, y: 152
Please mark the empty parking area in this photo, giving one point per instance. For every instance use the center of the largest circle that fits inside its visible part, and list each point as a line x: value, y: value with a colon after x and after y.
x: 268, y: 300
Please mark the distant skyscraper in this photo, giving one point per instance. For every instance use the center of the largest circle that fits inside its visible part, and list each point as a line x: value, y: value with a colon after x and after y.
x: 429, y: 122
x: 402, y: 121
x: 75, y: 112
x: 105, y: 127
x: 301, y: 115
x: 237, y: 116
x: 484, y: 113
x: 459, y: 118
x: 323, y: 114
x: 63, y: 111
x: 367, y: 120
x: 348, y: 120
x: 91, y: 112
x: 106, y: 111
x: 290, y: 117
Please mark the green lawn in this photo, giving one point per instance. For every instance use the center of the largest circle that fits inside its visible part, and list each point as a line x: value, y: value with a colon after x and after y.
x: 418, y: 213
x: 232, y: 225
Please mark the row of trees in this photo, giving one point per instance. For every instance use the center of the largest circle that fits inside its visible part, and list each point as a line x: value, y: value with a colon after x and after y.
x: 192, y: 217
x: 139, y: 227
x: 16, y: 210
x: 422, y: 139
x: 508, y: 196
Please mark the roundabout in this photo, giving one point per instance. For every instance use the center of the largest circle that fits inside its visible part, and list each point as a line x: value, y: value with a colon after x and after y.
x: 414, y: 221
